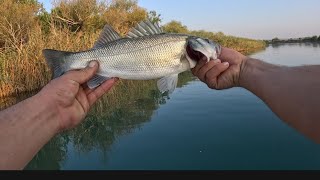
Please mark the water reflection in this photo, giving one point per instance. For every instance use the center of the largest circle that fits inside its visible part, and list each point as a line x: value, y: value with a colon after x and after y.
x: 51, y: 155
x: 243, y: 134
x: 125, y: 109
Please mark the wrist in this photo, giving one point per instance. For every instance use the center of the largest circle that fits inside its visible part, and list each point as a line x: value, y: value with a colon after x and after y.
x: 253, y: 72
x: 243, y: 72
x: 48, y: 111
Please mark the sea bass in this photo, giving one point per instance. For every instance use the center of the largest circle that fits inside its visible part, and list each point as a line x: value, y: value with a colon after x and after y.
x: 145, y: 53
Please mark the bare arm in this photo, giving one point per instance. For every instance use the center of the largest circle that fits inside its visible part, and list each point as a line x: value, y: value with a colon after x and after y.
x: 24, y: 129
x: 290, y: 92
x: 62, y: 104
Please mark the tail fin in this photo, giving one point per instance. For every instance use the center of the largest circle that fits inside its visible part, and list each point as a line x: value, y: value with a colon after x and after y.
x: 55, y: 61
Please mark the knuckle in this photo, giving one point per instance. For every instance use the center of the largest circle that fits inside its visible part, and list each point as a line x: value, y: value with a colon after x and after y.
x: 212, y: 83
x: 193, y: 71
x: 71, y: 75
x: 203, y: 76
x: 73, y: 85
x: 196, y: 74
x: 84, y: 73
x: 203, y: 79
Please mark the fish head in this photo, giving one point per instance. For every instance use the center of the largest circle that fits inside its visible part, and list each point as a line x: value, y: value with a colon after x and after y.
x: 199, y: 48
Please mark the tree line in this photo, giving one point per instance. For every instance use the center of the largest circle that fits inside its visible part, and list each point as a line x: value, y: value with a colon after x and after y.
x: 295, y: 40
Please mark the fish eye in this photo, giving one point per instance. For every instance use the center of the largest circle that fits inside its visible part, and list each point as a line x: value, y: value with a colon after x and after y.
x: 208, y: 41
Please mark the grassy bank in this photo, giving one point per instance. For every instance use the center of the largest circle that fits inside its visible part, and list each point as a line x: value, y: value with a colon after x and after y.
x: 26, y: 29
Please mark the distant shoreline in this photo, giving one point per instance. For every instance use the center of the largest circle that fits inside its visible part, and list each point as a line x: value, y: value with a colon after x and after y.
x: 313, y: 39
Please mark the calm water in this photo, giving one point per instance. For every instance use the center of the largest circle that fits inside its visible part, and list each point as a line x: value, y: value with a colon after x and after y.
x: 195, y: 128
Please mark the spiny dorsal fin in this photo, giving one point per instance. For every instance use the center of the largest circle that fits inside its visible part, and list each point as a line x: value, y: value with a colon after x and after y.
x: 145, y: 28
x: 108, y: 34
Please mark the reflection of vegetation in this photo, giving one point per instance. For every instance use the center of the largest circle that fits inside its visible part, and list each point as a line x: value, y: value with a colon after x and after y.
x: 51, y: 155
x: 119, y: 112
x: 128, y: 110
x: 184, y: 78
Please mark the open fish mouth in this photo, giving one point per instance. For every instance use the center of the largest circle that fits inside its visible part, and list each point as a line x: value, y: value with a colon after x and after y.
x: 194, y: 54
x: 199, y: 48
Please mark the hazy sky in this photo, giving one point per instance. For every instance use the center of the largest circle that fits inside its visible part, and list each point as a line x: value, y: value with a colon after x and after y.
x: 259, y: 19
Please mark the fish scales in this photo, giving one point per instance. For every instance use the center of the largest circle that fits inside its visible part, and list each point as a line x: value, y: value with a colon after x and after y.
x: 141, y: 58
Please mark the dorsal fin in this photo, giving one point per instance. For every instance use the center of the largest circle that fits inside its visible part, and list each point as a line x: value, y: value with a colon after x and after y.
x: 108, y: 34
x: 145, y: 28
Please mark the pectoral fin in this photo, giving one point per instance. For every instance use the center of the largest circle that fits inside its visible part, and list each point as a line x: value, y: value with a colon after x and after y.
x: 96, y: 81
x: 168, y: 83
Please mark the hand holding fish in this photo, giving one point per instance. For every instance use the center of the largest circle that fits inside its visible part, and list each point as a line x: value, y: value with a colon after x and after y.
x: 222, y: 73
x: 276, y: 85
x: 62, y: 104
x: 71, y: 99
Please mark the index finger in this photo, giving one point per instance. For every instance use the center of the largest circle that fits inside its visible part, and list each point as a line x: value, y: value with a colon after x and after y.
x: 199, y: 65
x: 101, y: 90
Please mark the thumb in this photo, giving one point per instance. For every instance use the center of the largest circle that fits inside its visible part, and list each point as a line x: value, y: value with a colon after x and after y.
x: 85, y: 74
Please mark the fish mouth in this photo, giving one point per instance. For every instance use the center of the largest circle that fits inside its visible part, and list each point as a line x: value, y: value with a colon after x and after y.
x: 194, y: 54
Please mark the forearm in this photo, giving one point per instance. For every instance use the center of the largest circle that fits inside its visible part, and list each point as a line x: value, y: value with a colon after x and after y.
x: 291, y: 92
x: 24, y: 129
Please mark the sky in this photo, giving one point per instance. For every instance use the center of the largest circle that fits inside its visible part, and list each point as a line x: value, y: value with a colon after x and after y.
x: 257, y: 19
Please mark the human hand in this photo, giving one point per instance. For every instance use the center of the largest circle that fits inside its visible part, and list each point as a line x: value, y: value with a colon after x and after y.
x: 70, y: 97
x: 223, y: 73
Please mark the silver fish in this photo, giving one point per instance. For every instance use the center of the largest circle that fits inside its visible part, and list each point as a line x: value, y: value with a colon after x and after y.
x: 145, y: 53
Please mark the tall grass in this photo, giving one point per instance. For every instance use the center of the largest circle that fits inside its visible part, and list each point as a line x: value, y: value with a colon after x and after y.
x: 243, y: 45
x: 26, y: 70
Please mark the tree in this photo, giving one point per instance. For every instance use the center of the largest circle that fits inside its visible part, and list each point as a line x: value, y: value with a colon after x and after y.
x: 44, y: 19
x: 78, y: 14
x: 319, y: 38
x: 314, y: 38
x: 175, y: 27
x: 275, y: 40
x: 154, y: 17
x: 203, y: 34
x: 17, y: 18
x: 123, y: 15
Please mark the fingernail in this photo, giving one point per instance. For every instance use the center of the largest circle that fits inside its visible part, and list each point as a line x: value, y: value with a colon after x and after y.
x: 217, y: 61
x: 92, y: 64
x: 204, y: 58
x: 226, y: 63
